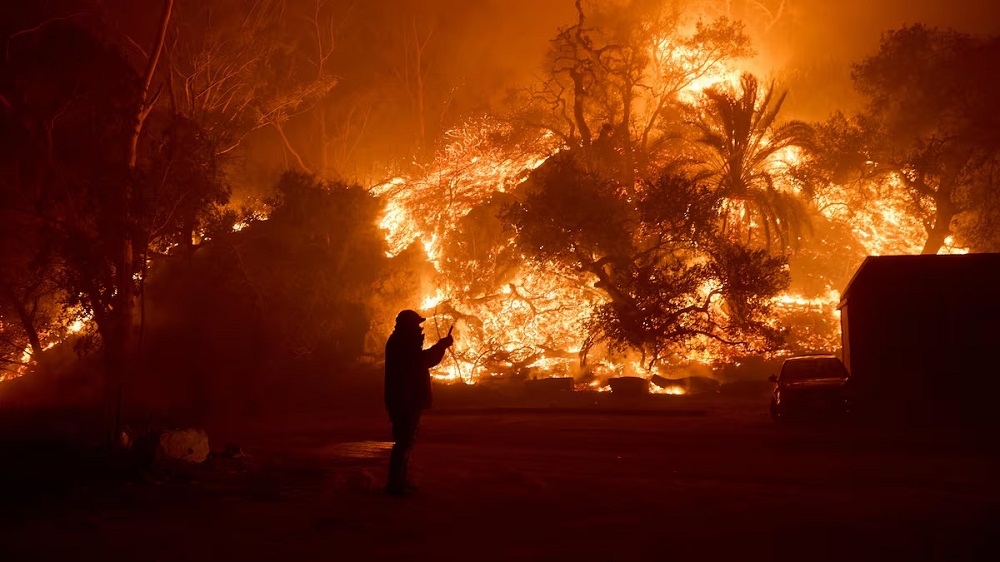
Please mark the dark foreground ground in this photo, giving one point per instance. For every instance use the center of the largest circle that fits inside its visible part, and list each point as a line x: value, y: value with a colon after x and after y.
x: 690, y: 478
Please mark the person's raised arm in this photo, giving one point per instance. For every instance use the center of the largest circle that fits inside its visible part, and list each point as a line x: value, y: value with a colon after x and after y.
x: 433, y: 355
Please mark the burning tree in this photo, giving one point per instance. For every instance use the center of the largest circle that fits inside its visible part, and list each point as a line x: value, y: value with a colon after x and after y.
x: 668, y: 274
x: 595, y: 247
x: 922, y: 157
x: 740, y: 142
x: 30, y: 296
x: 229, y: 71
x: 451, y: 208
x: 617, y: 79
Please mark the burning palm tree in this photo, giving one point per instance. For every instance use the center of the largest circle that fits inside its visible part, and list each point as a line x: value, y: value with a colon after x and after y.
x: 740, y: 142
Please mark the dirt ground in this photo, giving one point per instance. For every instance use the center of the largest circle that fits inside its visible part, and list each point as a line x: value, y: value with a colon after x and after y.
x: 669, y: 478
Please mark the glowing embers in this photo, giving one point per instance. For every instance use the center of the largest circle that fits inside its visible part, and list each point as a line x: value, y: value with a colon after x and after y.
x: 531, y: 325
x: 813, y: 323
x: 671, y: 390
x: 827, y: 301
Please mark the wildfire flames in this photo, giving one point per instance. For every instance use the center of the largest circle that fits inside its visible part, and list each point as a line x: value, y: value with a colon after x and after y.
x: 532, y: 323
x: 74, y: 321
x: 533, y: 320
x: 529, y: 320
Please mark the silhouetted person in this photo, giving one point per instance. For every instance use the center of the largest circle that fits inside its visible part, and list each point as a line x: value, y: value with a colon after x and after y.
x: 407, y: 390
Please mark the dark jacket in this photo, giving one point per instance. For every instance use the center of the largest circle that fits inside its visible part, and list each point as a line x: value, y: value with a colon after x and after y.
x: 407, y: 371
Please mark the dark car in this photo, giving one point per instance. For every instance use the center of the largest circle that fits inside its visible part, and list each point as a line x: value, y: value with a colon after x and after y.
x: 810, y: 386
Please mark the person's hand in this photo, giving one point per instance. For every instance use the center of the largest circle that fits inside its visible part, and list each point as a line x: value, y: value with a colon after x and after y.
x: 448, y: 340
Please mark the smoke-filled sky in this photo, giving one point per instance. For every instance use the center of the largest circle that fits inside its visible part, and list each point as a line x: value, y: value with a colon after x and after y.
x: 502, y: 40
x: 505, y: 38
x: 849, y: 29
x: 817, y: 39
x: 479, y: 50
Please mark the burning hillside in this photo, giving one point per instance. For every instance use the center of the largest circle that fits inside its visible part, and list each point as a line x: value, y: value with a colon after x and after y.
x: 638, y: 201
x: 533, y: 317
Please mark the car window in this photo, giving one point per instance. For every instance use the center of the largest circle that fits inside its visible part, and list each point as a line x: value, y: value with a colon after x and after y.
x: 826, y: 368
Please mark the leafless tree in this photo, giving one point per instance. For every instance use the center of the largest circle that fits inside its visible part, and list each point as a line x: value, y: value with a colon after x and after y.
x: 233, y: 73
x: 620, y: 73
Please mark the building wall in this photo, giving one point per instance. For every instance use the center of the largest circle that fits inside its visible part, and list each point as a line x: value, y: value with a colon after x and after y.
x: 845, y: 336
x: 924, y: 342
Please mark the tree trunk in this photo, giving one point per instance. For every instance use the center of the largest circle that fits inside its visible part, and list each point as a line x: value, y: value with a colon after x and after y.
x: 628, y: 174
x: 579, y: 89
x: 291, y: 149
x: 944, y: 212
x: 27, y: 323
x: 939, y: 233
x: 119, y: 337
x: 579, y: 93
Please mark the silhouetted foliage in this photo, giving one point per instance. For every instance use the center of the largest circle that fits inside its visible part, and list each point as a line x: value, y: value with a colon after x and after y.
x: 739, y: 138
x: 69, y: 102
x: 929, y: 124
x: 668, y: 273
x: 186, y: 189
x: 477, y: 254
x: 277, y: 306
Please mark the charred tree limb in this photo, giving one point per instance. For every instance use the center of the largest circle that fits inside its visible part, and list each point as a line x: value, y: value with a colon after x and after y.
x: 290, y: 148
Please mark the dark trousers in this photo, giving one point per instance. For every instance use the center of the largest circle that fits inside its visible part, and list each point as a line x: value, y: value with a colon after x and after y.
x: 404, y: 432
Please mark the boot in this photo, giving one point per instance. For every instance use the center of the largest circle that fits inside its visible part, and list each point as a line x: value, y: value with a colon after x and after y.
x: 408, y: 485
x: 396, y: 482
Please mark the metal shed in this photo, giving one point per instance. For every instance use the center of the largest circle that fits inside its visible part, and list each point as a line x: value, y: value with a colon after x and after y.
x: 921, y: 334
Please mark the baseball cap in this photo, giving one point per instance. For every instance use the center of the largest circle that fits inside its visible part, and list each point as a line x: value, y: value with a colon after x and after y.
x: 409, y: 317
